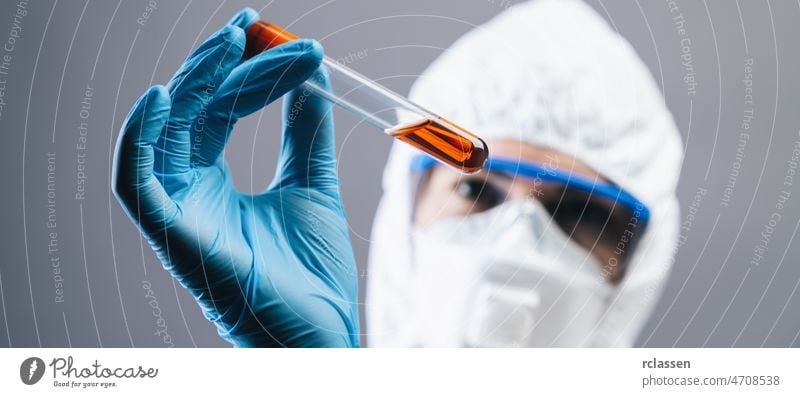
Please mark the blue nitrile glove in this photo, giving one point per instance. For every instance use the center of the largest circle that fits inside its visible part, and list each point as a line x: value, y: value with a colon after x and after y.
x: 271, y: 269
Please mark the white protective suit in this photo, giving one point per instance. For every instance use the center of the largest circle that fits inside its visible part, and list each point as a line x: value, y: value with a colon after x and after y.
x: 550, y: 73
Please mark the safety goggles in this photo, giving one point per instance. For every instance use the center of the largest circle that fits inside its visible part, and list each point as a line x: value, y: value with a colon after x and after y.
x: 591, y: 211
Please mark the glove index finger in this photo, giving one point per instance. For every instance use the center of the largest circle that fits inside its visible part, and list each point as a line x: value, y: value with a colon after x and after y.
x: 191, y: 89
x: 244, y: 18
x: 251, y: 86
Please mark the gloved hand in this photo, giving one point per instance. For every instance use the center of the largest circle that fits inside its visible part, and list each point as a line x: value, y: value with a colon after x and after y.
x: 271, y: 269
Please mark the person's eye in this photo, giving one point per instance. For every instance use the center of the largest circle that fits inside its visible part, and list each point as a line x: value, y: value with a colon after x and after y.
x: 484, y: 194
x: 596, y: 215
x: 579, y: 210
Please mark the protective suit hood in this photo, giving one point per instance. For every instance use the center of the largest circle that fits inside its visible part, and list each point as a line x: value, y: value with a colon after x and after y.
x: 550, y: 73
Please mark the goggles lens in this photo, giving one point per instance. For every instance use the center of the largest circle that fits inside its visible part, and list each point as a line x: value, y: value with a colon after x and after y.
x: 594, y: 213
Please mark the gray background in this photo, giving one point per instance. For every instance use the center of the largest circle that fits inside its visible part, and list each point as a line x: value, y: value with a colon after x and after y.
x: 715, y: 296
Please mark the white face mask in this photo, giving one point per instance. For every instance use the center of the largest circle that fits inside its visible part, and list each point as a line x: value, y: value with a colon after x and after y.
x: 505, y: 277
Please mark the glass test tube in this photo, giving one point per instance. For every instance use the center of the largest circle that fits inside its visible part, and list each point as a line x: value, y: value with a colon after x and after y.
x: 392, y: 113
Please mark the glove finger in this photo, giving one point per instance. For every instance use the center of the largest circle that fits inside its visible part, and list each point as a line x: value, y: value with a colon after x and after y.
x: 191, y: 89
x: 244, y: 18
x: 308, y: 157
x: 142, y: 196
x: 251, y: 86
